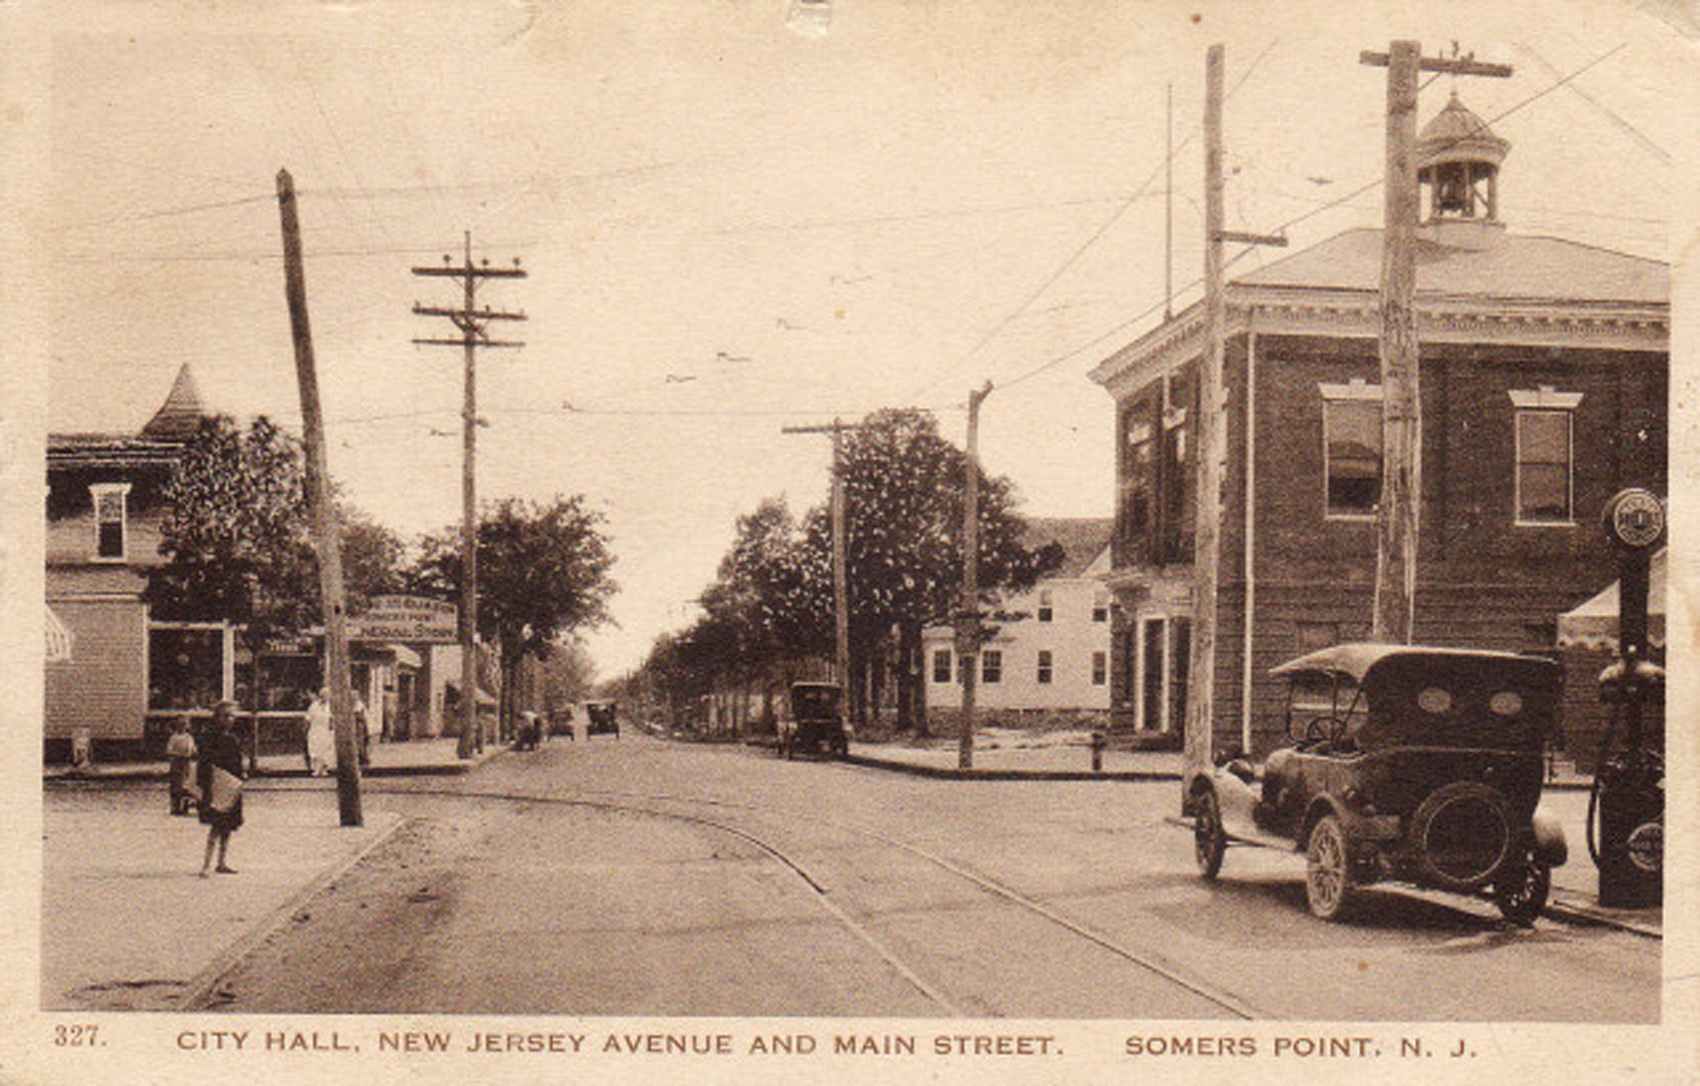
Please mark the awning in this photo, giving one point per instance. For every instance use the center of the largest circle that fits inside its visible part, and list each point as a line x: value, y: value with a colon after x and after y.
x: 1593, y: 625
x: 59, y: 639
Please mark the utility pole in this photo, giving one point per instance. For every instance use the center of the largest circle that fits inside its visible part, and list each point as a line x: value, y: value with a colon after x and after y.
x: 968, y: 619
x: 1398, y: 517
x: 473, y: 324
x: 1212, y: 428
x: 327, y: 537
x: 1169, y: 203
x: 840, y: 557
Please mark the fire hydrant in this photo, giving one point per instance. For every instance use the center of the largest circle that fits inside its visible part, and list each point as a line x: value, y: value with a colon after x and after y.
x: 1097, y: 752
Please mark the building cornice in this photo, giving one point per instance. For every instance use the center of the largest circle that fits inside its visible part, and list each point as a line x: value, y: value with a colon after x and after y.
x: 1356, y: 314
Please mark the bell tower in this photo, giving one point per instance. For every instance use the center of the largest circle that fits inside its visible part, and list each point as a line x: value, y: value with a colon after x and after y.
x: 1458, y: 160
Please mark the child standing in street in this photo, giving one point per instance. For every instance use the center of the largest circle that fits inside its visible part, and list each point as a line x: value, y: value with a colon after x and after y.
x: 220, y: 777
x: 180, y: 748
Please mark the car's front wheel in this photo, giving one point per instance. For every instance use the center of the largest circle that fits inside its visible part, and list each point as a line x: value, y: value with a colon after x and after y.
x: 1328, y: 872
x: 1209, y: 838
x: 1521, y: 891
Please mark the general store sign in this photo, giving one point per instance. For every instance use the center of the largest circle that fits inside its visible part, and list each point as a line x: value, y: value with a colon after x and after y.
x: 405, y: 618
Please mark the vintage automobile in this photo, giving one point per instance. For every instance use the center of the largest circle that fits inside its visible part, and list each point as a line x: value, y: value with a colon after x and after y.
x: 816, y: 724
x: 1420, y: 765
x: 600, y: 719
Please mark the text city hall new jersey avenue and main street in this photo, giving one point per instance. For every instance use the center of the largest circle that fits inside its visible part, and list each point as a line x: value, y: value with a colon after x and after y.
x: 686, y: 579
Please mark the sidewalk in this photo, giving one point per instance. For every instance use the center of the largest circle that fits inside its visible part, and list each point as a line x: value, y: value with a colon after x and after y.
x: 1005, y: 754
x: 409, y: 757
x: 127, y: 923
x: 1008, y: 754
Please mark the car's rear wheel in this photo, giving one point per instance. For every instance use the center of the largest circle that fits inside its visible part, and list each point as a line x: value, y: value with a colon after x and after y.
x: 1328, y: 871
x: 1522, y: 888
x: 1209, y: 838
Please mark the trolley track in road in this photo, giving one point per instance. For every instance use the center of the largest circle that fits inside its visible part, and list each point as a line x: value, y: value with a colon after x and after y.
x: 637, y: 803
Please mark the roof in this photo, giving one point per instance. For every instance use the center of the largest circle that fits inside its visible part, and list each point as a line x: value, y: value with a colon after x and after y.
x: 1520, y: 266
x: 1457, y: 135
x: 1081, y: 538
x: 1592, y: 624
x: 109, y: 451
x: 1355, y: 658
x: 180, y: 415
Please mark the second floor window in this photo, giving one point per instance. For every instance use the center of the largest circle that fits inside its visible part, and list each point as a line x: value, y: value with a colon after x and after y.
x: 1100, y: 668
x: 110, y: 517
x: 1544, y: 458
x: 1046, y: 608
x: 1351, y: 435
x: 1044, y: 667
x: 991, y: 666
x: 1101, y: 607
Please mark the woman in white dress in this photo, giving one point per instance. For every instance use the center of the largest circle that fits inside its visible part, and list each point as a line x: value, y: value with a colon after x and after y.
x: 321, y: 737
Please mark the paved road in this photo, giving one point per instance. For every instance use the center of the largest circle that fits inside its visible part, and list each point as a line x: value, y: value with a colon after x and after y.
x: 649, y: 878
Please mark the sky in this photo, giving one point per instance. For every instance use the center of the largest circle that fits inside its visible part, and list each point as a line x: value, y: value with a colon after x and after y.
x: 736, y: 218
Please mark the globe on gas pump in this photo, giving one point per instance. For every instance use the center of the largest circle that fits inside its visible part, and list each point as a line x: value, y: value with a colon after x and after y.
x: 1626, y: 805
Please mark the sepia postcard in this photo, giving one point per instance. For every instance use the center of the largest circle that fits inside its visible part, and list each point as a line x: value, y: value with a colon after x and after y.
x: 848, y: 541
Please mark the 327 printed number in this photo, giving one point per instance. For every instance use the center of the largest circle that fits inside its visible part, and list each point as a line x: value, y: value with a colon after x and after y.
x: 76, y: 1036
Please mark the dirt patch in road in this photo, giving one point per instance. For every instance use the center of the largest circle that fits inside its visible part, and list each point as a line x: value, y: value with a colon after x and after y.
x: 341, y: 950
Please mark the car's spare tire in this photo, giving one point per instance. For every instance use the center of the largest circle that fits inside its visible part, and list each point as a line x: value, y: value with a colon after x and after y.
x: 1463, y: 836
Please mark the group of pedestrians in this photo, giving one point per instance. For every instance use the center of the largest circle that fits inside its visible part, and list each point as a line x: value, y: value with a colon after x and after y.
x: 207, y: 776
x: 320, y: 746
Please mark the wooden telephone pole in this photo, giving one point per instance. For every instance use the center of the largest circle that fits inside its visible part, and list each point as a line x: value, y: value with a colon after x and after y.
x: 840, y: 559
x: 1398, y: 517
x: 473, y: 324
x: 1212, y: 430
x: 327, y: 536
x: 968, y: 629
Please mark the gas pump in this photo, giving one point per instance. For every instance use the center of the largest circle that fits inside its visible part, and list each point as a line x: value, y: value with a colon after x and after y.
x: 1626, y: 806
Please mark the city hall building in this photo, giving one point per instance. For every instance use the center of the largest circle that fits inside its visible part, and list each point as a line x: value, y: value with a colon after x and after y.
x: 1544, y: 373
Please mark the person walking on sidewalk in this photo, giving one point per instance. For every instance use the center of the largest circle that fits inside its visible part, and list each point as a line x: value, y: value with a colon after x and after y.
x: 180, y: 748
x: 220, y: 778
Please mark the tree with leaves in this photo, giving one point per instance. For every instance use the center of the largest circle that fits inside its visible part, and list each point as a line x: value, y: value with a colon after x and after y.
x: 237, y: 540
x: 543, y: 574
x: 904, y: 488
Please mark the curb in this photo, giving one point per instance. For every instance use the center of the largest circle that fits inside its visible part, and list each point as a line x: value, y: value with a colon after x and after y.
x: 423, y: 769
x: 1575, y: 912
x: 199, y: 990
x: 944, y: 773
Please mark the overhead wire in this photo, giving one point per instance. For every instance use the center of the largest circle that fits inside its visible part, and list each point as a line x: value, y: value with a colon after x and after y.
x: 1090, y: 241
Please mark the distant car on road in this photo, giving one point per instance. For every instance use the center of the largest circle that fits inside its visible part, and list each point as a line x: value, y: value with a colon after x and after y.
x: 601, y: 719
x: 561, y: 722
x: 816, y: 723
x: 1422, y: 765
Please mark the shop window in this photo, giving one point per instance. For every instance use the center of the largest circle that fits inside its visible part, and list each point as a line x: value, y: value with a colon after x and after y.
x: 110, y: 516
x: 1545, y: 455
x: 185, y: 668
x: 1351, y: 440
x: 1045, y: 667
x: 991, y: 666
x: 941, y: 665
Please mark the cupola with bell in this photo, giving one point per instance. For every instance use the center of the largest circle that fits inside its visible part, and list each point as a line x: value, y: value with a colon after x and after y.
x: 1458, y: 160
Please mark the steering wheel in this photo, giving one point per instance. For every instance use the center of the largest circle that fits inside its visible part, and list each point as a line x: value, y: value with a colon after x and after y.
x: 1324, y: 729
